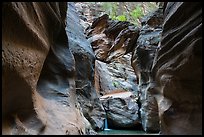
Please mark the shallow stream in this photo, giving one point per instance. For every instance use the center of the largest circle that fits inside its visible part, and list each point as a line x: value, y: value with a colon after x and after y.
x: 124, y: 132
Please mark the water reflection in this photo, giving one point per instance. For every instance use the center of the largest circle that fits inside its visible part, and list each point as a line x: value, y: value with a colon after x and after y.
x: 124, y: 132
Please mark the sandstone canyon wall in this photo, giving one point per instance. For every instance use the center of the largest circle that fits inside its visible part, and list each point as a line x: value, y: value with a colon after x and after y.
x: 38, y: 70
x: 142, y: 59
x: 177, y: 70
x: 170, y: 71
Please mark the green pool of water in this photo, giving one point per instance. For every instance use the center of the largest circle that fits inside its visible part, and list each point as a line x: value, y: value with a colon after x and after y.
x: 124, y: 132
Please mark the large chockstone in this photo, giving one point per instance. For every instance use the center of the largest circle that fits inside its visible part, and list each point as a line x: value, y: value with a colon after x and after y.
x: 121, y: 110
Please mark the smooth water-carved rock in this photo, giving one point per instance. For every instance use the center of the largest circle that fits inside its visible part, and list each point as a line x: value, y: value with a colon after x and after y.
x: 177, y: 70
x: 84, y: 63
x: 38, y: 69
x: 142, y: 60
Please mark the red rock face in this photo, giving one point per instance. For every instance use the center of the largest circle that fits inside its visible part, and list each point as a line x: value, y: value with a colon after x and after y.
x: 111, y: 39
x: 38, y: 94
x: 178, y: 69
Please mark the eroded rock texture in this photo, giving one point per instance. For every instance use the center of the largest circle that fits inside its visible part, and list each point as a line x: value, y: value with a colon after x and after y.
x: 38, y: 94
x: 111, y: 39
x: 142, y: 60
x: 84, y: 60
x: 177, y: 70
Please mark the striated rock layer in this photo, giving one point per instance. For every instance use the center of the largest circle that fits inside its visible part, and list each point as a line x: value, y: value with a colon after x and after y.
x: 177, y: 70
x: 38, y: 93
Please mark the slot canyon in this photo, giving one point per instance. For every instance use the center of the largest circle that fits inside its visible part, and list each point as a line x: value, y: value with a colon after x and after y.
x: 73, y: 68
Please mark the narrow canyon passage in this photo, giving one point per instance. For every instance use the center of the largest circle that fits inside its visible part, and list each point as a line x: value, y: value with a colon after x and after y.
x: 101, y: 68
x: 124, y: 56
x: 115, y: 81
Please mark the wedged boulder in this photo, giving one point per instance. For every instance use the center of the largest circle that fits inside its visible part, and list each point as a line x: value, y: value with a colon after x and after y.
x: 142, y: 60
x: 121, y: 110
x: 177, y: 70
x: 111, y: 39
x: 84, y: 64
x: 38, y: 93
